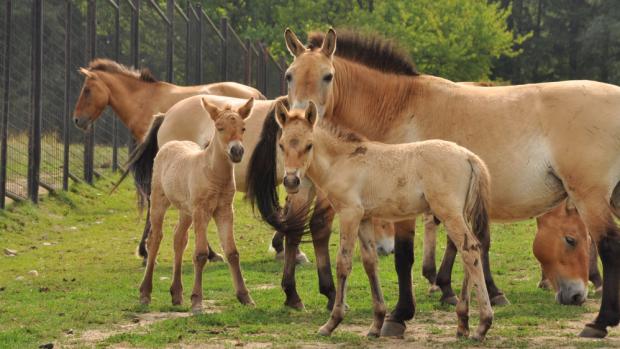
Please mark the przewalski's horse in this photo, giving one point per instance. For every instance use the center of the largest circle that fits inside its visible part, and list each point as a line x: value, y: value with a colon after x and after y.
x: 541, y: 142
x: 200, y: 184
x: 136, y: 95
x: 363, y: 179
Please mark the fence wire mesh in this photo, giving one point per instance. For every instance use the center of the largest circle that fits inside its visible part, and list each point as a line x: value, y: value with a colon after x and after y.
x: 125, y: 33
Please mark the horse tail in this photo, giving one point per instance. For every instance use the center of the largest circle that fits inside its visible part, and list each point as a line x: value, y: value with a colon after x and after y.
x: 477, y: 200
x: 141, y: 160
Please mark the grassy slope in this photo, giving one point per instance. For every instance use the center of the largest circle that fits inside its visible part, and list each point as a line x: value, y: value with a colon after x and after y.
x: 88, y: 279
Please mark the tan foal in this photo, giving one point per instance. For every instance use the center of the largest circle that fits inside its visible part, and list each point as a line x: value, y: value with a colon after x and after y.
x: 200, y: 184
x: 363, y: 179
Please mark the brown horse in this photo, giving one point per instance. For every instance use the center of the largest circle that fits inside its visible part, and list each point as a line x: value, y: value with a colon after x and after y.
x: 541, y: 142
x: 201, y: 185
x: 363, y: 179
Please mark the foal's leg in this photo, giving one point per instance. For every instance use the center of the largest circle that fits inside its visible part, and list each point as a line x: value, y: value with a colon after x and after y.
x: 180, y: 243
x: 349, y: 226
x: 469, y: 247
x: 224, y: 220
x: 369, y: 259
x: 320, y: 228
x: 394, y: 325
x: 593, y: 274
x: 159, y: 205
x: 201, y: 219
x: 430, y: 244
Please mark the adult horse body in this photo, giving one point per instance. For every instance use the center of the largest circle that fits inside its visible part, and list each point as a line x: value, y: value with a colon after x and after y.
x: 541, y: 142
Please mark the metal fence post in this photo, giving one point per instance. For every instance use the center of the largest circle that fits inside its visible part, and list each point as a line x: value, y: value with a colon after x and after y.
x: 188, y: 59
x: 34, y: 142
x: 5, y: 107
x: 67, y: 118
x: 199, y: 45
x: 117, y: 53
x: 135, y: 35
x: 89, y: 139
x: 247, y: 72
x: 283, y: 86
x: 170, y: 42
x: 224, y: 64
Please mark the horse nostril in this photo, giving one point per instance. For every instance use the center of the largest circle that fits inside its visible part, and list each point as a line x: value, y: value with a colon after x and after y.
x: 291, y: 181
x: 75, y: 120
x: 576, y: 299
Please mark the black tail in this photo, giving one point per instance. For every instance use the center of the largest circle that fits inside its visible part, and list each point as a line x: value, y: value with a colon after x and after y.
x: 141, y: 159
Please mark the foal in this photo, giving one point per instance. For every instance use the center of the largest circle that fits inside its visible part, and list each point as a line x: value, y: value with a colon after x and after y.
x: 363, y: 179
x: 200, y: 184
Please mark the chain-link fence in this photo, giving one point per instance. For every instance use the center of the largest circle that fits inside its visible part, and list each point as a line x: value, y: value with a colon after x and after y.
x: 45, y: 42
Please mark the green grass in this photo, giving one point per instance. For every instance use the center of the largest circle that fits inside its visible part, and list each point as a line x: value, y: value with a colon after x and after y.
x: 89, y: 277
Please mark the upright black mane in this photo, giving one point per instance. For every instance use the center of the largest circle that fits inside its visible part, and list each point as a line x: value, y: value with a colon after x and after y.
x: 371, y: 50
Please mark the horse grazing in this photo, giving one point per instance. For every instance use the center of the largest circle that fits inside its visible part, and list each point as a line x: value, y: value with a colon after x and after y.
x: 200, y: 184
x: 542, y: 142
x: 363, y: 179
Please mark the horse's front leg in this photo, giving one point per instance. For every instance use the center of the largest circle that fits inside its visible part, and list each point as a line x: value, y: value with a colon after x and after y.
x: 394, y: 325
x: 349, y: 226
x: 158, y: 212
x: 593, y: 274
x: 201, y: 217
x: 320, y: 227
x: 224, y: 220
x: 369, y: 258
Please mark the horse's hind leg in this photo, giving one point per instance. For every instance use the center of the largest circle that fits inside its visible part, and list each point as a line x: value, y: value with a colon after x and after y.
x: 429, y: 269
x: 394, y: 325
x: 180, y: 243
x: 320, y: 228
x: 142, y: 251
x: 224, y: 221
x: 444, y: 276
x: 201, y: 254
x: 369, y: 259
x: 495, y: 294
x: 159, y: 205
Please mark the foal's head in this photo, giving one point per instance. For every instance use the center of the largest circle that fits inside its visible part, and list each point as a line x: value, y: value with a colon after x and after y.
x: 295, y: 142
x: 562, y: 246
x: 230, y: 126
x: 310, y: 77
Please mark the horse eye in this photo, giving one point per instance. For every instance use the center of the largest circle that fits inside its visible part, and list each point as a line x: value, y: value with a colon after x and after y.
x: 328, y: 77
x: 308, y: 147
x: 281, y: 147
x: 243, y: 129
x: 288, y: 77
x: 570, y: 241
x: 220, y: 129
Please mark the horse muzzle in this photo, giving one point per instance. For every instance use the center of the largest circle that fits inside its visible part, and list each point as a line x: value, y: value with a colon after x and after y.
x: 291, y: 183
x: 571, y: 292
x: 82, y: 122
x: 236, y: 153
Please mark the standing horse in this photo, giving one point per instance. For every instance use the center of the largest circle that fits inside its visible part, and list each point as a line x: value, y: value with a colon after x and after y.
x: 136, y: 96
x: 541, y: 142
x: 200, y: 184
x: 363, y: 180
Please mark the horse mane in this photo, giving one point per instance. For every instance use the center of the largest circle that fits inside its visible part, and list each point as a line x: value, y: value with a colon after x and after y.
x: 110, y: 66
x: 340, y: 132
x: 371, y: 50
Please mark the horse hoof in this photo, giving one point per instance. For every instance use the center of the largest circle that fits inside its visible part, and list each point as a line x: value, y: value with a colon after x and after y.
x: 197, y: 310
x: 433, y: 289
x: 373, y: 334
x: 323, y: 331
x: 593, y: 332
x: 216, y: 257
x: 393, y: 329
x: 462, y: 334
x: 477, y: 337
x: 245, y: 299
x: 500, y: 300
x: 298, y: 305
x: 145, y: 300
x: 450, y: 300
x: 301, y: 258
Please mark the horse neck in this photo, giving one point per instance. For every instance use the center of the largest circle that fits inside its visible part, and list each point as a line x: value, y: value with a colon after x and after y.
x: 328, y: 150
x: 216, y: 165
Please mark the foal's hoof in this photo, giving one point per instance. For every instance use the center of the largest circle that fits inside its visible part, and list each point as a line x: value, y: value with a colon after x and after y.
x: 197, y: 310
x: 500, y: 300
x: 297, y: 305
x: 373, y: 334
x: 324, y: 331
x: 450, y: 300
x: 145, y: 300
x: 592, y: 332
x: 393, y: 329
x: 245, y: 299
x: 216, y: 257
x: 301, y: 258
x: 478, y: 337
x: 434, y: 288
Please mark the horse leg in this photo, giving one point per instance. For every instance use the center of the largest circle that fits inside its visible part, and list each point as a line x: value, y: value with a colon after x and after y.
x: 349, y: 226
x: 495, y: 294
x: 180, y: 243
x: 429, y: 270
x: 369, y: 259
x: 158, y: 211
x: 224, y: 221
x: 444, y: 276
x: 142, y: 252
x: 394, y: 325
x: 277, y: 243
x: 593, y: 274
x: 469, y: 248
x: 201, y: 254
x: 320, y: 228
x: 596, y: 214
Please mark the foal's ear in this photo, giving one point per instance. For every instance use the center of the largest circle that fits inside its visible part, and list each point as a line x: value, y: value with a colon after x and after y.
x: 87, y: 73
x: 295, y: 47
x: 281, y: 113
x: 212, y: 109
x: 329, y: 43
x: 311, y: 113
x: 245, y: 110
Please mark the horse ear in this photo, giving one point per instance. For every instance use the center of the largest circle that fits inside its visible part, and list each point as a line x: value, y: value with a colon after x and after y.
x: 295, y: 47
x: 212, y: 109
x: 311, y: 113
x: 329, y: 43
x: 87, y: 73
x: 245, y: 110
x: 281, y: 113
